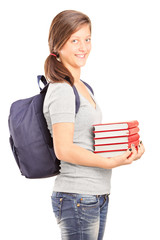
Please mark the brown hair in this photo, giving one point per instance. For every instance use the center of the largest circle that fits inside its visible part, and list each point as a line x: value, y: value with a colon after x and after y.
x: 62, y: 27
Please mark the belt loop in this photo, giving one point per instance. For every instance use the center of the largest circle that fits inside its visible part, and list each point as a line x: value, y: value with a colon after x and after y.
x: 108, y: 196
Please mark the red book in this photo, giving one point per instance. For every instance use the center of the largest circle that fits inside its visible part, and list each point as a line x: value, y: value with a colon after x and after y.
x: 115, y: 126
x: 110, y: 153
x: 116, y: 133
x: 112, y: 147
x: 111, y: 140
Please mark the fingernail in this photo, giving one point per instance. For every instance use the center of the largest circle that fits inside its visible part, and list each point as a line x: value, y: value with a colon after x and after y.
x: 130, y: 149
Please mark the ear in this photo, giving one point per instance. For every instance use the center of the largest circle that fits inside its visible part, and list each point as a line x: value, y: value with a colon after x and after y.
x: 58, y: 57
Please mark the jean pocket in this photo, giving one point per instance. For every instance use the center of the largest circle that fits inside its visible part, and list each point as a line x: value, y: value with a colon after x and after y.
x: 57, y: 207
x: 89, y: 202
x: 88, y: 209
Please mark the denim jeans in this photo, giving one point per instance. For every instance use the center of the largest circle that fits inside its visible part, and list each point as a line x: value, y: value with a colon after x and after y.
x: 80, y: 216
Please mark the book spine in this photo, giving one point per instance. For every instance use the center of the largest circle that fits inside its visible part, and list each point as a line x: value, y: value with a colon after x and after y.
x: 133, y: 124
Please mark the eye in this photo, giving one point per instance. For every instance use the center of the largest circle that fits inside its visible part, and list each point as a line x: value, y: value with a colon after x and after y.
x: 74, y: 40
x: 88, y: 39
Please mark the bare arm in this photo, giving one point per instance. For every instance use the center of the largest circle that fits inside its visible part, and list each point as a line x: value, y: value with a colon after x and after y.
x: 67, y: 151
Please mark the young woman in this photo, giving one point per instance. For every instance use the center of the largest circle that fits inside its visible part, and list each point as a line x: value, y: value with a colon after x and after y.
x: 81, y: 190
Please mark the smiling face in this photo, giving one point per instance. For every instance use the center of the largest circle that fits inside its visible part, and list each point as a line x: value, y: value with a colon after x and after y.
x: 76, y: 50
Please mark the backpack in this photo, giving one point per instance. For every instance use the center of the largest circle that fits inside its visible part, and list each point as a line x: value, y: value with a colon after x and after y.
x: 30, y: 139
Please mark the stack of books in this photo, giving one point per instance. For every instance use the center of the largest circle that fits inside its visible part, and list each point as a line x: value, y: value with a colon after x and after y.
x: 113, y: 139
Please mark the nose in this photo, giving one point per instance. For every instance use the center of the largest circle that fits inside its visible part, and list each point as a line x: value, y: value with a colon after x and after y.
x: 83, y: 46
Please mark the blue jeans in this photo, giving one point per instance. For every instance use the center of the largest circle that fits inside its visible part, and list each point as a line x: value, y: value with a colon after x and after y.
x: 80, y: 216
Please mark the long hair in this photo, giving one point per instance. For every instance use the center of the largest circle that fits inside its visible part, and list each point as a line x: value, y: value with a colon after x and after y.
x: 62, y: 27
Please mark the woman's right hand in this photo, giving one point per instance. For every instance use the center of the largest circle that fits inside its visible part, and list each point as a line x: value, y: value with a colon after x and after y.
x: 129, y: 156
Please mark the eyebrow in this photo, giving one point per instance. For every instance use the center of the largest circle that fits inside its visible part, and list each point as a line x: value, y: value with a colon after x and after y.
x: 74, y: 36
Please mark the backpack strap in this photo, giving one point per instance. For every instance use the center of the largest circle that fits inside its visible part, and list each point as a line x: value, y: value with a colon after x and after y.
x: 46, y: 84
x: 77, y: 99
x: 77, y: 95
x: 88, y: 86
x: 42, y: 79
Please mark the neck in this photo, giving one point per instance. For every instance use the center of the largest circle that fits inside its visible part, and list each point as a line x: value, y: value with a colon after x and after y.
x: 76, y: 72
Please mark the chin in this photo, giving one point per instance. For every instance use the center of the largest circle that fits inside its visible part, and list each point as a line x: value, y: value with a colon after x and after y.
x: 82, y: 64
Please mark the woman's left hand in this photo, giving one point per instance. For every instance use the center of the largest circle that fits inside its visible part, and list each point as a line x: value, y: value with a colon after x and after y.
x: 140, y: 151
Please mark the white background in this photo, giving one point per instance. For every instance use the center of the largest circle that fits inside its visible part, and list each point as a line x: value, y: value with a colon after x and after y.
x: 124, y: 70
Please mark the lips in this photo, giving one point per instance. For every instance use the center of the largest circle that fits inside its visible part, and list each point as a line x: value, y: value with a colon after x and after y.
x: 80, y: 55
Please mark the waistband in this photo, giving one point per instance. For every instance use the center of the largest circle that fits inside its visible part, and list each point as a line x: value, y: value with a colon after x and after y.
x: 75, y: 195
